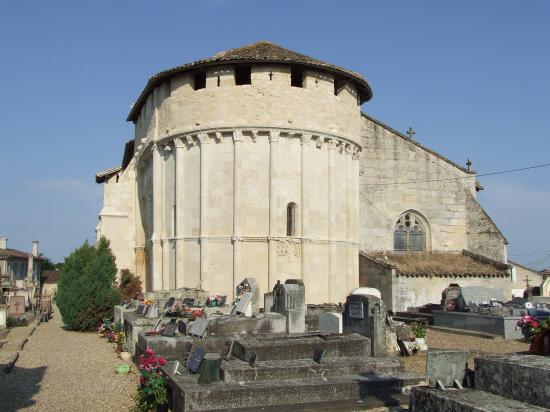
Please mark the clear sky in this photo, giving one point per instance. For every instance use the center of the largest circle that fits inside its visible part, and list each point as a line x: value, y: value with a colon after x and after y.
x: 471, y: 77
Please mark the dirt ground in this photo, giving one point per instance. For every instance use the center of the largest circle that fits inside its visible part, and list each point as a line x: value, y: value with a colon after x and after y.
x: 476, y: 345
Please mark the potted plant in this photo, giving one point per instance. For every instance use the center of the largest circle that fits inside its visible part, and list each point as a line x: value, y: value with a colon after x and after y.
x: 120, y: 339
x: 540, y: 337
x: 152, y: 394
x: 420, y: 331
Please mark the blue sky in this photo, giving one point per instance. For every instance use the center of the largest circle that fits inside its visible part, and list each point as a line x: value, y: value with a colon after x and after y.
x: 472, y: 78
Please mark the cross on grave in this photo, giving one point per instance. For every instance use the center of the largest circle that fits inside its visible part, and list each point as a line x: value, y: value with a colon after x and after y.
x: 411, y: 133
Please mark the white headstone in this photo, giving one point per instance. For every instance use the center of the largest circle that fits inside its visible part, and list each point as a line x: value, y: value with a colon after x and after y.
x: 330, y: 322
x: 199, y: 326
x: 366, y: 291
x: 244, y: 306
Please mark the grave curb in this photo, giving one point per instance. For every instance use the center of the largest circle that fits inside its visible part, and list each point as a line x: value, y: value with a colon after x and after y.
x: 474, y: 333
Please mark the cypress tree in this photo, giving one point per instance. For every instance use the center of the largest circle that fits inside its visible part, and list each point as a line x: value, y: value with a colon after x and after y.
x: 86, y: 291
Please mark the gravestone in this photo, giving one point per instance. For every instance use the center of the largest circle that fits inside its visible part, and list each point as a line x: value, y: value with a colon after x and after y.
x: 195, y: 359
x: 182, y: 326
x: 366, y: 291
x: 198, y: 328
x: 156, y: 328
x: 210, y: 369
x: 330, y: 322
x: 153, y: 312
x: 450, y: 298
x: 17, y: 306
x: 170, y: 302
x: 366, y: 315
x: 250, y: 285
x: 318, y: 355
x: 289, y: 300
x: 268, y: 302
x: 141, y: 309
x: 446, y: 365
x: 228, y: 349
x: 169, y: 330
x: 189, y: 302
x: 244, y: 306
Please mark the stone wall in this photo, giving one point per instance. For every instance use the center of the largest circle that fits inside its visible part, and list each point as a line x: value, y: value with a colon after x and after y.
x: 483, y: 236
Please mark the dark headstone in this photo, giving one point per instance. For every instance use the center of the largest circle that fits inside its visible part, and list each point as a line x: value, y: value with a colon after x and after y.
x: 446, y: 365
x: 253, y: 358
x: 169, y: 330
x: 141, y: 309
x: 228, y: 349
x: 210, y: 369
x: 403, y: 332
x: 195, y: 359
x: 318, y: 355
x: 170, y: 302
x: 182, y: 327
x: 189, y: 302
x: 355, y: 310
x: 147, y: 310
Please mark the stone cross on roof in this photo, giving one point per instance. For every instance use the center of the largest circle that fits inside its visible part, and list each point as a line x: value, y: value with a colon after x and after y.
x: 411, y: 132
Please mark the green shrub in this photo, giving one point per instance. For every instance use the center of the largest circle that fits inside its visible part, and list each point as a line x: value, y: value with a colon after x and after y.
x: 130, y: 285
x: 419, y: 330
x: 11, y: 322
x: 86, y: 293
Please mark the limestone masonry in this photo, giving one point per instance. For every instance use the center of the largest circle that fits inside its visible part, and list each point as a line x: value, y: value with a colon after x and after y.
x: 258, y: 162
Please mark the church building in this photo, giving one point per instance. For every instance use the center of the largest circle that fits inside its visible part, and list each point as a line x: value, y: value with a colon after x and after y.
x: 259, y: 162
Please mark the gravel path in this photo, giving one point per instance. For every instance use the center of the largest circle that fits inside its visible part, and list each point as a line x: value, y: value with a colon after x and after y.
x: 477, y: 347
x: 59, y: 370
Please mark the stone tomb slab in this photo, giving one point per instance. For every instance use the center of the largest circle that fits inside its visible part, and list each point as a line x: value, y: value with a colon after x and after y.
x: 446, y: 365
x: 244, y: 307
x: 330, y: 322
x: 270, y: 348
x: 199, y: 326
x: 522, y: 377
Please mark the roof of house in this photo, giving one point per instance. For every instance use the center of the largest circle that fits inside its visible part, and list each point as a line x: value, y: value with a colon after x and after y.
x: 260, y: 52
x: 105, y: 174
x: 514, y: 263
x: 50, y: 276
x: 17, y: 254
x: 442, y: 264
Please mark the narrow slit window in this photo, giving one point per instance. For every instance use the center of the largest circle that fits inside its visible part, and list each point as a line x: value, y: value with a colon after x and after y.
x: 243, y: 75
x: 199, y: 80
x: 291, y: 219
x: 296, y: 77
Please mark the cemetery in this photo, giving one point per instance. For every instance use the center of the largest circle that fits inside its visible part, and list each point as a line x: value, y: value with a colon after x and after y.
x: 219, y: 355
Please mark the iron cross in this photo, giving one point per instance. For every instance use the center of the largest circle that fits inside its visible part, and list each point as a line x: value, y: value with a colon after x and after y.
x: 411, y: 132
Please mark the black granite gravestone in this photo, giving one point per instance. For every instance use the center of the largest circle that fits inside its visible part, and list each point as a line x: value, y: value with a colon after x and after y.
x: 169, y: 330
x: 141, y: 309
x: 195, y: 359
x: 170, y: 302
x: 253, y: 358
x: 318, y: 355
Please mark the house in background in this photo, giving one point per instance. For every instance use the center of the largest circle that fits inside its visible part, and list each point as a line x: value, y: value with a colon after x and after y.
x: 19, y: 274
x: 48, y: 282
x: 525, y: 280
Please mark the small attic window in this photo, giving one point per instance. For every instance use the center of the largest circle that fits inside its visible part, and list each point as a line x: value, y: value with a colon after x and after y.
x: 243, y: 75
x: 199, y: 81
x: 296, y: 77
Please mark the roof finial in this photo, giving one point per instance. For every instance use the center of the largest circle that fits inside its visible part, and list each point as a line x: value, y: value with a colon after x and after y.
x: 469, y: 165
x: 411, y: 133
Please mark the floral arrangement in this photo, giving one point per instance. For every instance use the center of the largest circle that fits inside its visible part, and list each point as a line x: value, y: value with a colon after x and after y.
x: 152, y: 391
x: 529, y: 326
x: 215, y: 300
x: 105, y: 327
x: 119, y: 340
x: 414, y: 347
x: 419, y: 330
x: 183, y: 311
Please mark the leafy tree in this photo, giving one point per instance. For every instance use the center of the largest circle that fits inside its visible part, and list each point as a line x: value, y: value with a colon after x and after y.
x: 130, y: 285
x: 86, y: 292
x: 47, y: 263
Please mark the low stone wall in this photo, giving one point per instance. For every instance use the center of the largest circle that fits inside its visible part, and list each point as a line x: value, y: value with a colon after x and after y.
x: 505, y: 326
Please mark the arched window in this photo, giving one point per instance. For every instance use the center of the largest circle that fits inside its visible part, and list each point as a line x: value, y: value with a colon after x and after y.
x: 291, y: 219
x: 409, y: 234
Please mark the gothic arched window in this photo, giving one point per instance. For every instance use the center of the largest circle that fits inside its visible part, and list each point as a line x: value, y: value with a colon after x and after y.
x: 409, y: 234
x: 291, y: 219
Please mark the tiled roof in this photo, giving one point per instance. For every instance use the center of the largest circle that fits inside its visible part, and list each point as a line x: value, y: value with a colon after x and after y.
x: 105, y: 174
x: 50, y: 276
x: 14, y: 253
x: 260, y: 52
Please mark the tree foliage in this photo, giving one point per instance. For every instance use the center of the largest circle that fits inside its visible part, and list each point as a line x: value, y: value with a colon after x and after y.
x: 130, y: 285
x: 86, y: 292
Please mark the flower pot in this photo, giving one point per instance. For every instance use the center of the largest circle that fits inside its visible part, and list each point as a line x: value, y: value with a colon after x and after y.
x: 126, y: 356
x: 123, y: 369
x: 422, y: 343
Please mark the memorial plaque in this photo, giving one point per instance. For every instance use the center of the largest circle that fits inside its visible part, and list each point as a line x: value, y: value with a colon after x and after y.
x: 189, y: 302
x: 446, y: 365
x: 253, y: 359
x: 199, y: 326
x: 318, y: 355
x: 182, y: 327
x: 195, y: 359
x: 245, y: 305
x: 169, y: 330
x: 153, y: 312
x: 172, y: 367
x: 140, y: 309
x: 355, y: 309
x: 170, y: 303
x: 156, y: 328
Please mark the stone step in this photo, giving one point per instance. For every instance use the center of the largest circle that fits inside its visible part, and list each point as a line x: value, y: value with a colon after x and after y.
x: 268, y: 348
x: 467, y: 400
x: 387, y: 389
x: 522, y: 377
x: 238, y: 371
